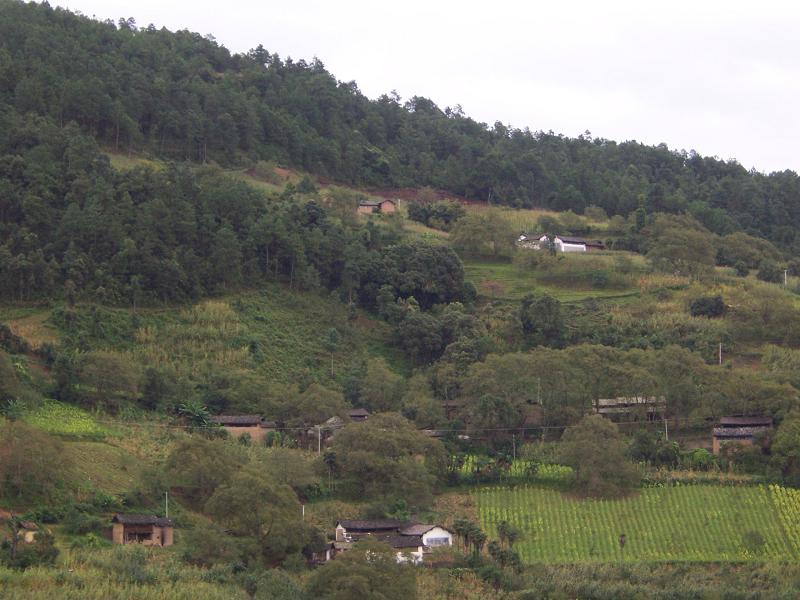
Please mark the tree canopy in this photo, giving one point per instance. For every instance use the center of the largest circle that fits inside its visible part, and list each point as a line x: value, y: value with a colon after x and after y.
x: 182, y: 96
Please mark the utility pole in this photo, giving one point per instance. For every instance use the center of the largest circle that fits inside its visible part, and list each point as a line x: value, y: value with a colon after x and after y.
x: 785, y: 278
x: 720, y: 353
x: 319, y: 440
x: 166, y: 504
x: 666, y: 430
x: 514, y: 446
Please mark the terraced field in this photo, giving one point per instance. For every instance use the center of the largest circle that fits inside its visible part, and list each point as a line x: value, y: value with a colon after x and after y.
x: 684, y: 523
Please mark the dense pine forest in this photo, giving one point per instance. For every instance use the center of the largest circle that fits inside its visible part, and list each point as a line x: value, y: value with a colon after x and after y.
x: 181, y: 96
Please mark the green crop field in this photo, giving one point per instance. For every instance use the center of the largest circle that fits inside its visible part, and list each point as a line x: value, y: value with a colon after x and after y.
x: 685, y: 523
x: 505, y: 281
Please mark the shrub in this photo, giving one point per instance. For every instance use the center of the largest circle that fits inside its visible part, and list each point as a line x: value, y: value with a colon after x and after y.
x: 129, y: 564
x: 90, y: 541
x: 707, y: 306
x: 741, y: 268
x: 265, y: 170
x: 12, y: 342
x: 209, y: 545
x: 41, y: 552
x: 79, y: 523
x: 753, y: 541
x: 32, y: 466
x: 770, y: 271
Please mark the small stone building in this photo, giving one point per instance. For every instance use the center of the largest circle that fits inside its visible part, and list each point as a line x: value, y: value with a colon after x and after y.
x: 147, y: 530
x: 238, y: 425
x: 384, y: 206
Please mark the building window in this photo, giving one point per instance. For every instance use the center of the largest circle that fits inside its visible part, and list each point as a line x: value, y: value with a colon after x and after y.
x: 440, y: 541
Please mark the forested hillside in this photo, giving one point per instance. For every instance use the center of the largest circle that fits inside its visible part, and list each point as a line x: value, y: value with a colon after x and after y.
x: 181, y: 96
x: 192, y: 240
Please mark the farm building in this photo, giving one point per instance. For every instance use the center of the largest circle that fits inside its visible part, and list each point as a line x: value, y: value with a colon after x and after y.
x: 741, y: 431
x: 352, y: 530
x: 411, y: 540
x: 147, y: 530
x: 358, y: 414
x: 384, y: 206
x: 560, y: 243
x: 238, y: 425
x: 633, y: 408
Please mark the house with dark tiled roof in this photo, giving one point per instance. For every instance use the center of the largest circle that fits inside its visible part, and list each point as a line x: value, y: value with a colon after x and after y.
x: 377, y: 206
x: 411, y: 540
x: 147, y: 530
x: 358, y: 414
x: 349, y: 530
x: 741, y: 431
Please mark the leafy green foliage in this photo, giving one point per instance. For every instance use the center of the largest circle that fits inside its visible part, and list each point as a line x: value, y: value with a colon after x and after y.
x: 369, y: 571
x: 386, y: 458
x: 439, y: 215
x: 607, y: 473
x: 485, y: 234
x: 707, y: 306
x: 540, y: 319
x: 32, y: 463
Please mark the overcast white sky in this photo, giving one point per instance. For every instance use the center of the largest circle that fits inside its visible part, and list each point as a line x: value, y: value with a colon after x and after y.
x: 722, y: 78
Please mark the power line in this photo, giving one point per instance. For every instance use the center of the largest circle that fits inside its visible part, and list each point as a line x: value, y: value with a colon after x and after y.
x: 466, y: 431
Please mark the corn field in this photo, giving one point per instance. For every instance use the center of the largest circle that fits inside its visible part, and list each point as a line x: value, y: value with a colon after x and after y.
x: 684, y: 523
x: 519, y: 469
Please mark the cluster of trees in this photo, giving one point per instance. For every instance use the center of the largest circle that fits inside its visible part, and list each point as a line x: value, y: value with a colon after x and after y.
x: 184, y: 96
x: 500, y: 391
x: 73, y: 226
x: 439, y: 215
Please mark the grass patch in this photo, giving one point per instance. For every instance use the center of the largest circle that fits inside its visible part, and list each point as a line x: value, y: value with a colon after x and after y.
x: 65, y: 420
x: 126, y: 162
x: 102, y: 466
x: 678, y: 523
x: 506, y: 281
x: 274, y: 331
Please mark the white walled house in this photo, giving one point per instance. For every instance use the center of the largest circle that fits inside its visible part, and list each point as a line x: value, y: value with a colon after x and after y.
x: 561, y: 243
x: 411, y: 541
x: 432, y: 536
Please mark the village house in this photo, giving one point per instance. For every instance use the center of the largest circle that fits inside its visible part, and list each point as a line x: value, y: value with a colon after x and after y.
x: 348, y: 530
x: 561, y: 243
x: 741, y: 431
x: 411, y: 540
x: 147, y: 530
x: 384, y: 206
x: 358, y: 414
x: 237, y: 425
x: 632, y: 408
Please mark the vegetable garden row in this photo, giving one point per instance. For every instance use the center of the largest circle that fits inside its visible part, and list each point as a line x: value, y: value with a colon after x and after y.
x: 693, y: 523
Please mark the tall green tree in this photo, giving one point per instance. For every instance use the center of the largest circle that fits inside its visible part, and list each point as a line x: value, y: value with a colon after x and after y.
x: 596, y: 451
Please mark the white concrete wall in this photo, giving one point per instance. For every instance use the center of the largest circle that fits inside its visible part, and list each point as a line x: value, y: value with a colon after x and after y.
x: 437, y: 532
